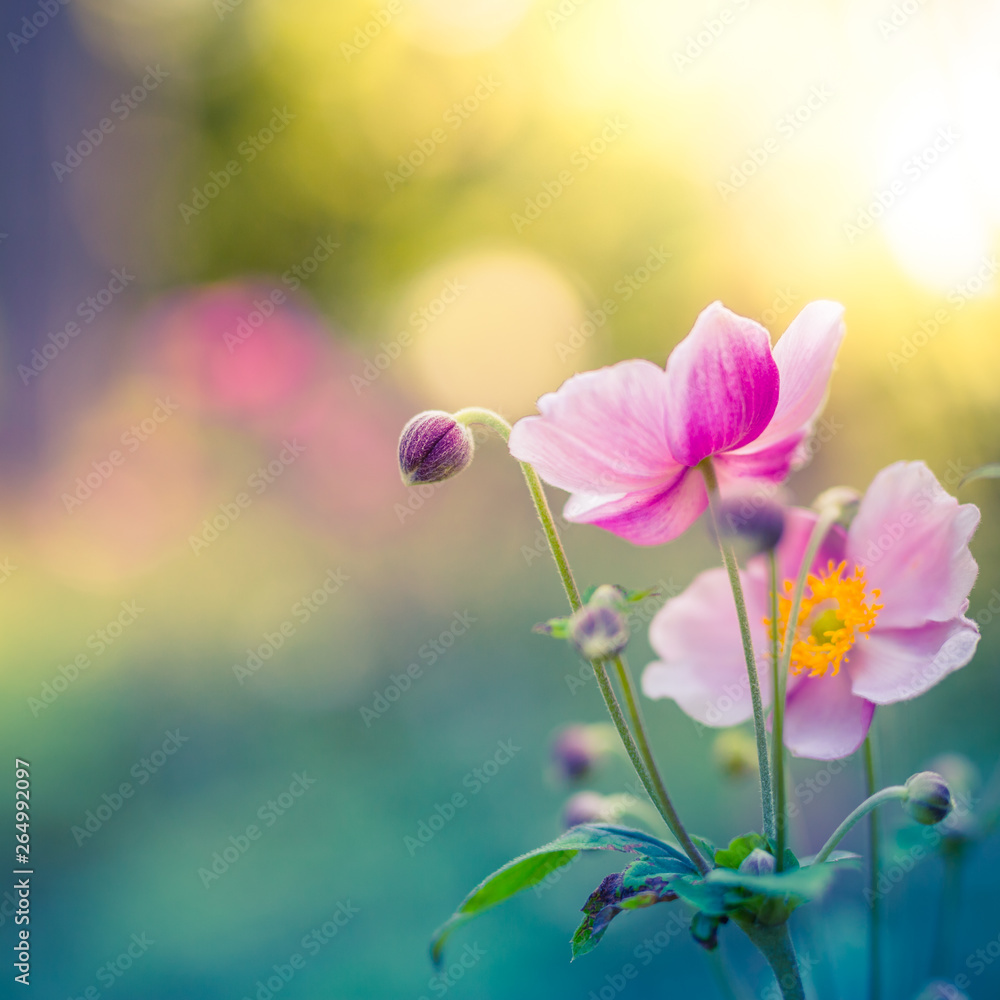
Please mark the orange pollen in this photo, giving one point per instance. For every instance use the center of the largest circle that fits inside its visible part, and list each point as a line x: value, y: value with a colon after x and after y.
x: 833, y: 612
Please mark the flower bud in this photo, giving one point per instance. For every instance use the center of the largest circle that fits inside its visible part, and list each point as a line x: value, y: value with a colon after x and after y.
x: 758, y: 862
x: 577, y: 749
x: 598, y: 632
x: 928, y: 798
x: 433, y: 447
x: 753, y: 517
x: 609, y: 595
x: 735, y: 754
x: 844, y: 499
x: 587, y: 807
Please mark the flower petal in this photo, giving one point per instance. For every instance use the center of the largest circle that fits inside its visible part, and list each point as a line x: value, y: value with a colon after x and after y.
x: 805, y: 355
x: 602, y: 432
x: 824, y: 719
x: 698, y: 639
x: 898, y: 664
x: 645, y: 517
x: 723, y: 386
x: 913, y: 540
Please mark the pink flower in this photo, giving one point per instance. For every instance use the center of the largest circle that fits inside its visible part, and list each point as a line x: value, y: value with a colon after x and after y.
x: 882, y: 618
x: 626, y: 440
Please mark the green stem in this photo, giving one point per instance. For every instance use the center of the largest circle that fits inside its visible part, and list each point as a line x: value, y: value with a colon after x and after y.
x: 475, y: 415
x: 777, y: 724
x: 639, y: 754
x: 890, y: 794
x: 775, y: 944
x: 948, y: 912
x: 875, y: 916
x: 759, y: 724
x: 661, y: 798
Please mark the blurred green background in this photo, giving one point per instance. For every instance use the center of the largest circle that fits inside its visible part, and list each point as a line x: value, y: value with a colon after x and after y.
x: 281, y: 229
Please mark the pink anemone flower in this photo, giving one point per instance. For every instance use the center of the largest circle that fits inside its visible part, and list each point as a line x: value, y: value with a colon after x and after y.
x: 882, y: 618
x: 626, y: 441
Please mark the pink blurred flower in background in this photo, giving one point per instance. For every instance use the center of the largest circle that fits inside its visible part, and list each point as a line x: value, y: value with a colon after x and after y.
x: 882, y: 619
x: 626, y: 440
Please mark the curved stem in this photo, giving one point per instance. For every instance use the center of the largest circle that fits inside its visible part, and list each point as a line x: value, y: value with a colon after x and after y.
x: 661, y: 798
x: 777, y: 724
x: 759, y: 724
x: 476, y: 415
x: 875, y: 916
x: 775, y: 944
x: 639, y: 754
x: 892, y: 793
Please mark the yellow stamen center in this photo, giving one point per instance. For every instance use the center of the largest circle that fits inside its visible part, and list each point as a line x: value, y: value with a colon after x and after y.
x: 834, y: 611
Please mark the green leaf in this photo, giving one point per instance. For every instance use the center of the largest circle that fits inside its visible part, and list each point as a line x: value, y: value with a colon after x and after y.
x: 807, y: 883
x: 558, y: 628
x: 739, y: 849
x: 990, y: 471
x: 531, y: 868
x: 712, y: 900
x: 640, y: 885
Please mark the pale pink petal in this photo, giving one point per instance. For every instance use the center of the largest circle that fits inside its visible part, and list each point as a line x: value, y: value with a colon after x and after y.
x: 897, y: 664
x: 602, y: 432
x: 824, y: 719
x: 913, y: 540
x: 805, y: 357
x: 723, y: 386
x: 702, y: 668
x: 768, y: 465
x: 645, y: 517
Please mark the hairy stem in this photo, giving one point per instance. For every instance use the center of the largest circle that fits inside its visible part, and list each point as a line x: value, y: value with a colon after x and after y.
x: 777, y: 724
x: 875, y: 915
x: 759, y: 723
x: 639, y: 753
x: 890, y: 794
x: 775, y: 944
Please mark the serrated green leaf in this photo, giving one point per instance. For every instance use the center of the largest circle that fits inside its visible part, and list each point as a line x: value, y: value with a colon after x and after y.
x: 989, y: 471
x: 808, y: 883
x: 739, y: 850
x: 531, y: 868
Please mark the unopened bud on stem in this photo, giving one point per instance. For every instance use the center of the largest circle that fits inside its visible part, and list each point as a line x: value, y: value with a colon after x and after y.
x: 433, y: 447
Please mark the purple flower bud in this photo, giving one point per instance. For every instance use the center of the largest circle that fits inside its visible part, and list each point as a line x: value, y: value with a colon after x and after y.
x: 928, y: 798
x: 758, y: 862
x: 598, y: 632
x: 753, y: 517
x: 433, y: 447
x: 586, y: 807
x: 577, y: 749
